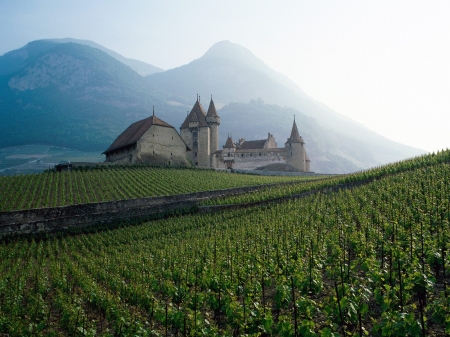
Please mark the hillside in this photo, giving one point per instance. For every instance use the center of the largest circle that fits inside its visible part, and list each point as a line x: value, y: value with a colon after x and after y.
x: 326, y: 148
x: 368, y: 259
x: 70, y: 95
x: 233, y: 74
x: 82, y: 95
x: 100, y: 185
x: 140, y: 67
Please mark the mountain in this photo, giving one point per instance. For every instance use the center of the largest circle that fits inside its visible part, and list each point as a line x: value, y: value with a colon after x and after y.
x: 234, y: 74
x: 77, y: 95
x: 140, y: 67
x: 71, y: 95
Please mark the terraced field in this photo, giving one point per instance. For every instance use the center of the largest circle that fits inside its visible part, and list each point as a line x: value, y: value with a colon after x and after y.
x: 50, y: 189
x: 367, y: 260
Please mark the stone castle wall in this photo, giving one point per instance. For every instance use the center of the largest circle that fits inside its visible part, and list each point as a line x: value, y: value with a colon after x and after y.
x: 214, y: 137
x: 186, y: 135
x: 204, y: 147
x: 162, y: 146
x: 248, y: 162
x: 123, y: 156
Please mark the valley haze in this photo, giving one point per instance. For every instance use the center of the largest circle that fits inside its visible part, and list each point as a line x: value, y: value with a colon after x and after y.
x: 383, y: 64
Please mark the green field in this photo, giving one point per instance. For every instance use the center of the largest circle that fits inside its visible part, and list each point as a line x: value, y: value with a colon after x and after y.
x: 370, y: 260
x: 50, y: 189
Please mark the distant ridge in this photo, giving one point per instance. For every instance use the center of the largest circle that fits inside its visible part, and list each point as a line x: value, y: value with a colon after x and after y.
x: 241, y: 77
x: 71, y: 95
x: 140, y: 67
x: 77, y: 95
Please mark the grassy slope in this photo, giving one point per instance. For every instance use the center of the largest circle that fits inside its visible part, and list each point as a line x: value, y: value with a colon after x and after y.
x: 50, y: 189
x: 369, y: 259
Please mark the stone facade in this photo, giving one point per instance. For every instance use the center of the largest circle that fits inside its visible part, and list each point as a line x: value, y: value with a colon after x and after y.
x: 249, y: 155
x: 161, y: 145
x: 200, y: 131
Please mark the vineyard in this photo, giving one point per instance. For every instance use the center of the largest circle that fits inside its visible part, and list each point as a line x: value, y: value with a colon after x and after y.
x: 51, y: 189
x: 274, y: 192
x: 369, y: 260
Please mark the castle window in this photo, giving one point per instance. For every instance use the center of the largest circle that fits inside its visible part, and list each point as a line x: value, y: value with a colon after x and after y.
x: 195, y: 134
x: 153, y: 135
x: 169, y: 162
x: 260, y: 154
x: 196, y: 163
x: 153, y: 152
x: 228, y: 154
x: 195, y: 144
x: 171, y: 153
x: 195, y: 154
x: 242, y: 155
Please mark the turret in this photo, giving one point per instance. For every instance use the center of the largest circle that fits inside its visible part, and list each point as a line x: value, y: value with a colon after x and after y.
x: 295, y: 150
x: 228, y: 153
x: 213, y: 121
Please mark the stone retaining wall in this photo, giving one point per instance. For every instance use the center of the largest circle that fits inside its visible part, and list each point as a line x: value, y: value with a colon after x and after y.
x: 64, y: 217
x: 74, y: 216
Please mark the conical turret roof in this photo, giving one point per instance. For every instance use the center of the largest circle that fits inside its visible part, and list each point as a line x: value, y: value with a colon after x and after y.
x: 197, y: 114
x: 212, y: 110
x: 295, y: 136
x: 229, y: 143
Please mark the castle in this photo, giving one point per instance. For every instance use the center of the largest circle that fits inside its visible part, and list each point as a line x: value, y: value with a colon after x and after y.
x: 151, y: 140
x: 200, y: 131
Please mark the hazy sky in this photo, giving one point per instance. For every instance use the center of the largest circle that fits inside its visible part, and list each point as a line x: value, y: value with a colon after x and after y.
x: 385, y: 64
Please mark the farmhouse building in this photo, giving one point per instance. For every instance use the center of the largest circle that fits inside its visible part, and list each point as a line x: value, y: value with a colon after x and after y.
x: 150, y: 140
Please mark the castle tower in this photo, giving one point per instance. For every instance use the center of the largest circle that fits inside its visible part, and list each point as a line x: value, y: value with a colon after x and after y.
x: 196, y: 134
x: 295, y: 150
x: 228, y: 153
x: 213, y: 121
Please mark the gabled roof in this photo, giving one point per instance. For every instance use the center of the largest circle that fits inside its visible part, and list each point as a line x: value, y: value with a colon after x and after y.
x: 212, y: 110
x: 197, y: 114
x: 295, y: 137
x: 135, y: 131
x: 229, y: 143
x: 253, y: 144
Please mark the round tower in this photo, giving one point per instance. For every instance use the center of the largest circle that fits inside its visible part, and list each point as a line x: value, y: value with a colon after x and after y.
x: 295, y: 150
x: 213, y: 121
